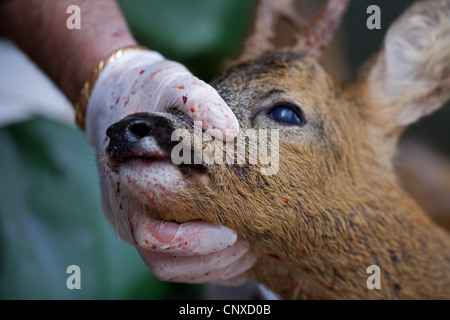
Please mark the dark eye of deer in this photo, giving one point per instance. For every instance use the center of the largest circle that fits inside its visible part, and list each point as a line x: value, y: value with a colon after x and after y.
x: 285, y: 114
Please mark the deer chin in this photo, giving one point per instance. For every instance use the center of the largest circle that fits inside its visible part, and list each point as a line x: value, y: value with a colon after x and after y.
x: 158, y: 185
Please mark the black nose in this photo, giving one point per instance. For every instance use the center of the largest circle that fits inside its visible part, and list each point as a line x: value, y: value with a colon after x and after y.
x: 127, y: 133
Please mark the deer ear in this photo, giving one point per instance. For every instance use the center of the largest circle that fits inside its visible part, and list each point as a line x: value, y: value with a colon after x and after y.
x: 410, y: 77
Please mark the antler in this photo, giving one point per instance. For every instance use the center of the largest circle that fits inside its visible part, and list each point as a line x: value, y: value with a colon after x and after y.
x: 314, y: 37
x: 321, y: 30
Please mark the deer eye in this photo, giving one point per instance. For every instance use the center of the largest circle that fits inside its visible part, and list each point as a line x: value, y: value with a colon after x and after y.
x: 285, y: 113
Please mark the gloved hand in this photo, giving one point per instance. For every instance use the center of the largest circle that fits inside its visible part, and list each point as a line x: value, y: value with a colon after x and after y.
x: 144, y: 81
x: 196, y: 251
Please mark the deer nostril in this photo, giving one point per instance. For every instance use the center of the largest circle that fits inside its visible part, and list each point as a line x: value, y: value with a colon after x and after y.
x: 140, y: 128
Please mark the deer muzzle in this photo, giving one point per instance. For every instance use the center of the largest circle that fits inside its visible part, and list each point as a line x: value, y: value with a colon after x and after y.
x: 148, y: 137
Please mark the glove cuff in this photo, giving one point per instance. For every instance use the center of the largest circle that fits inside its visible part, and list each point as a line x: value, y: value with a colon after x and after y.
x: 85, y: 94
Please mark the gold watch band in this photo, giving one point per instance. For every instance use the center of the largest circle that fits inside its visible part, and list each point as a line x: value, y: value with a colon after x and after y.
x: 85, y: 94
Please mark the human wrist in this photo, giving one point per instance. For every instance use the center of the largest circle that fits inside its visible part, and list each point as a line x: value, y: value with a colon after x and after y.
x: 103, y: 31
x: 81, y: 64
x: 88, y: 86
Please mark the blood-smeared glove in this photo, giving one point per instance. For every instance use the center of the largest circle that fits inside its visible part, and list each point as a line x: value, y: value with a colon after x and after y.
x: 197, y: 251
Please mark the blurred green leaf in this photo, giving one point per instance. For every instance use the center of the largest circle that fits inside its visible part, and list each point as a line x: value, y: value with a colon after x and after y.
x: 198, y: 33
x: 51, y: 217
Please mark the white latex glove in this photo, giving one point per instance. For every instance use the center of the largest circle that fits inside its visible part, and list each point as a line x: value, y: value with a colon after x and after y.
x: 143, y: 81
x: 199, y: 251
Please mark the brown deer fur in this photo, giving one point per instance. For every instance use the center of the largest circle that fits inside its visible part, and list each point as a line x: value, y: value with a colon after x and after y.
x: 335, y: 206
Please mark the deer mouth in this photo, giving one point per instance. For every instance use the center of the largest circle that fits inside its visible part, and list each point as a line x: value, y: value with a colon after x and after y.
x: 138, y: 158
x: 145, y: 137
x: 148, y: 158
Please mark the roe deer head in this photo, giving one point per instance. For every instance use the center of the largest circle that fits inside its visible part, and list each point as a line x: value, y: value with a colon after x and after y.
x: 335, y: 206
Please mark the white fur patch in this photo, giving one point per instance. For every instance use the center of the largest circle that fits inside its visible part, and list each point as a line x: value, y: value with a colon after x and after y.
x: 152, y: 182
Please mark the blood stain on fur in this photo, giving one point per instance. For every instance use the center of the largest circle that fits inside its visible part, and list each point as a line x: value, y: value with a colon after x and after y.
x: 274, y: 256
